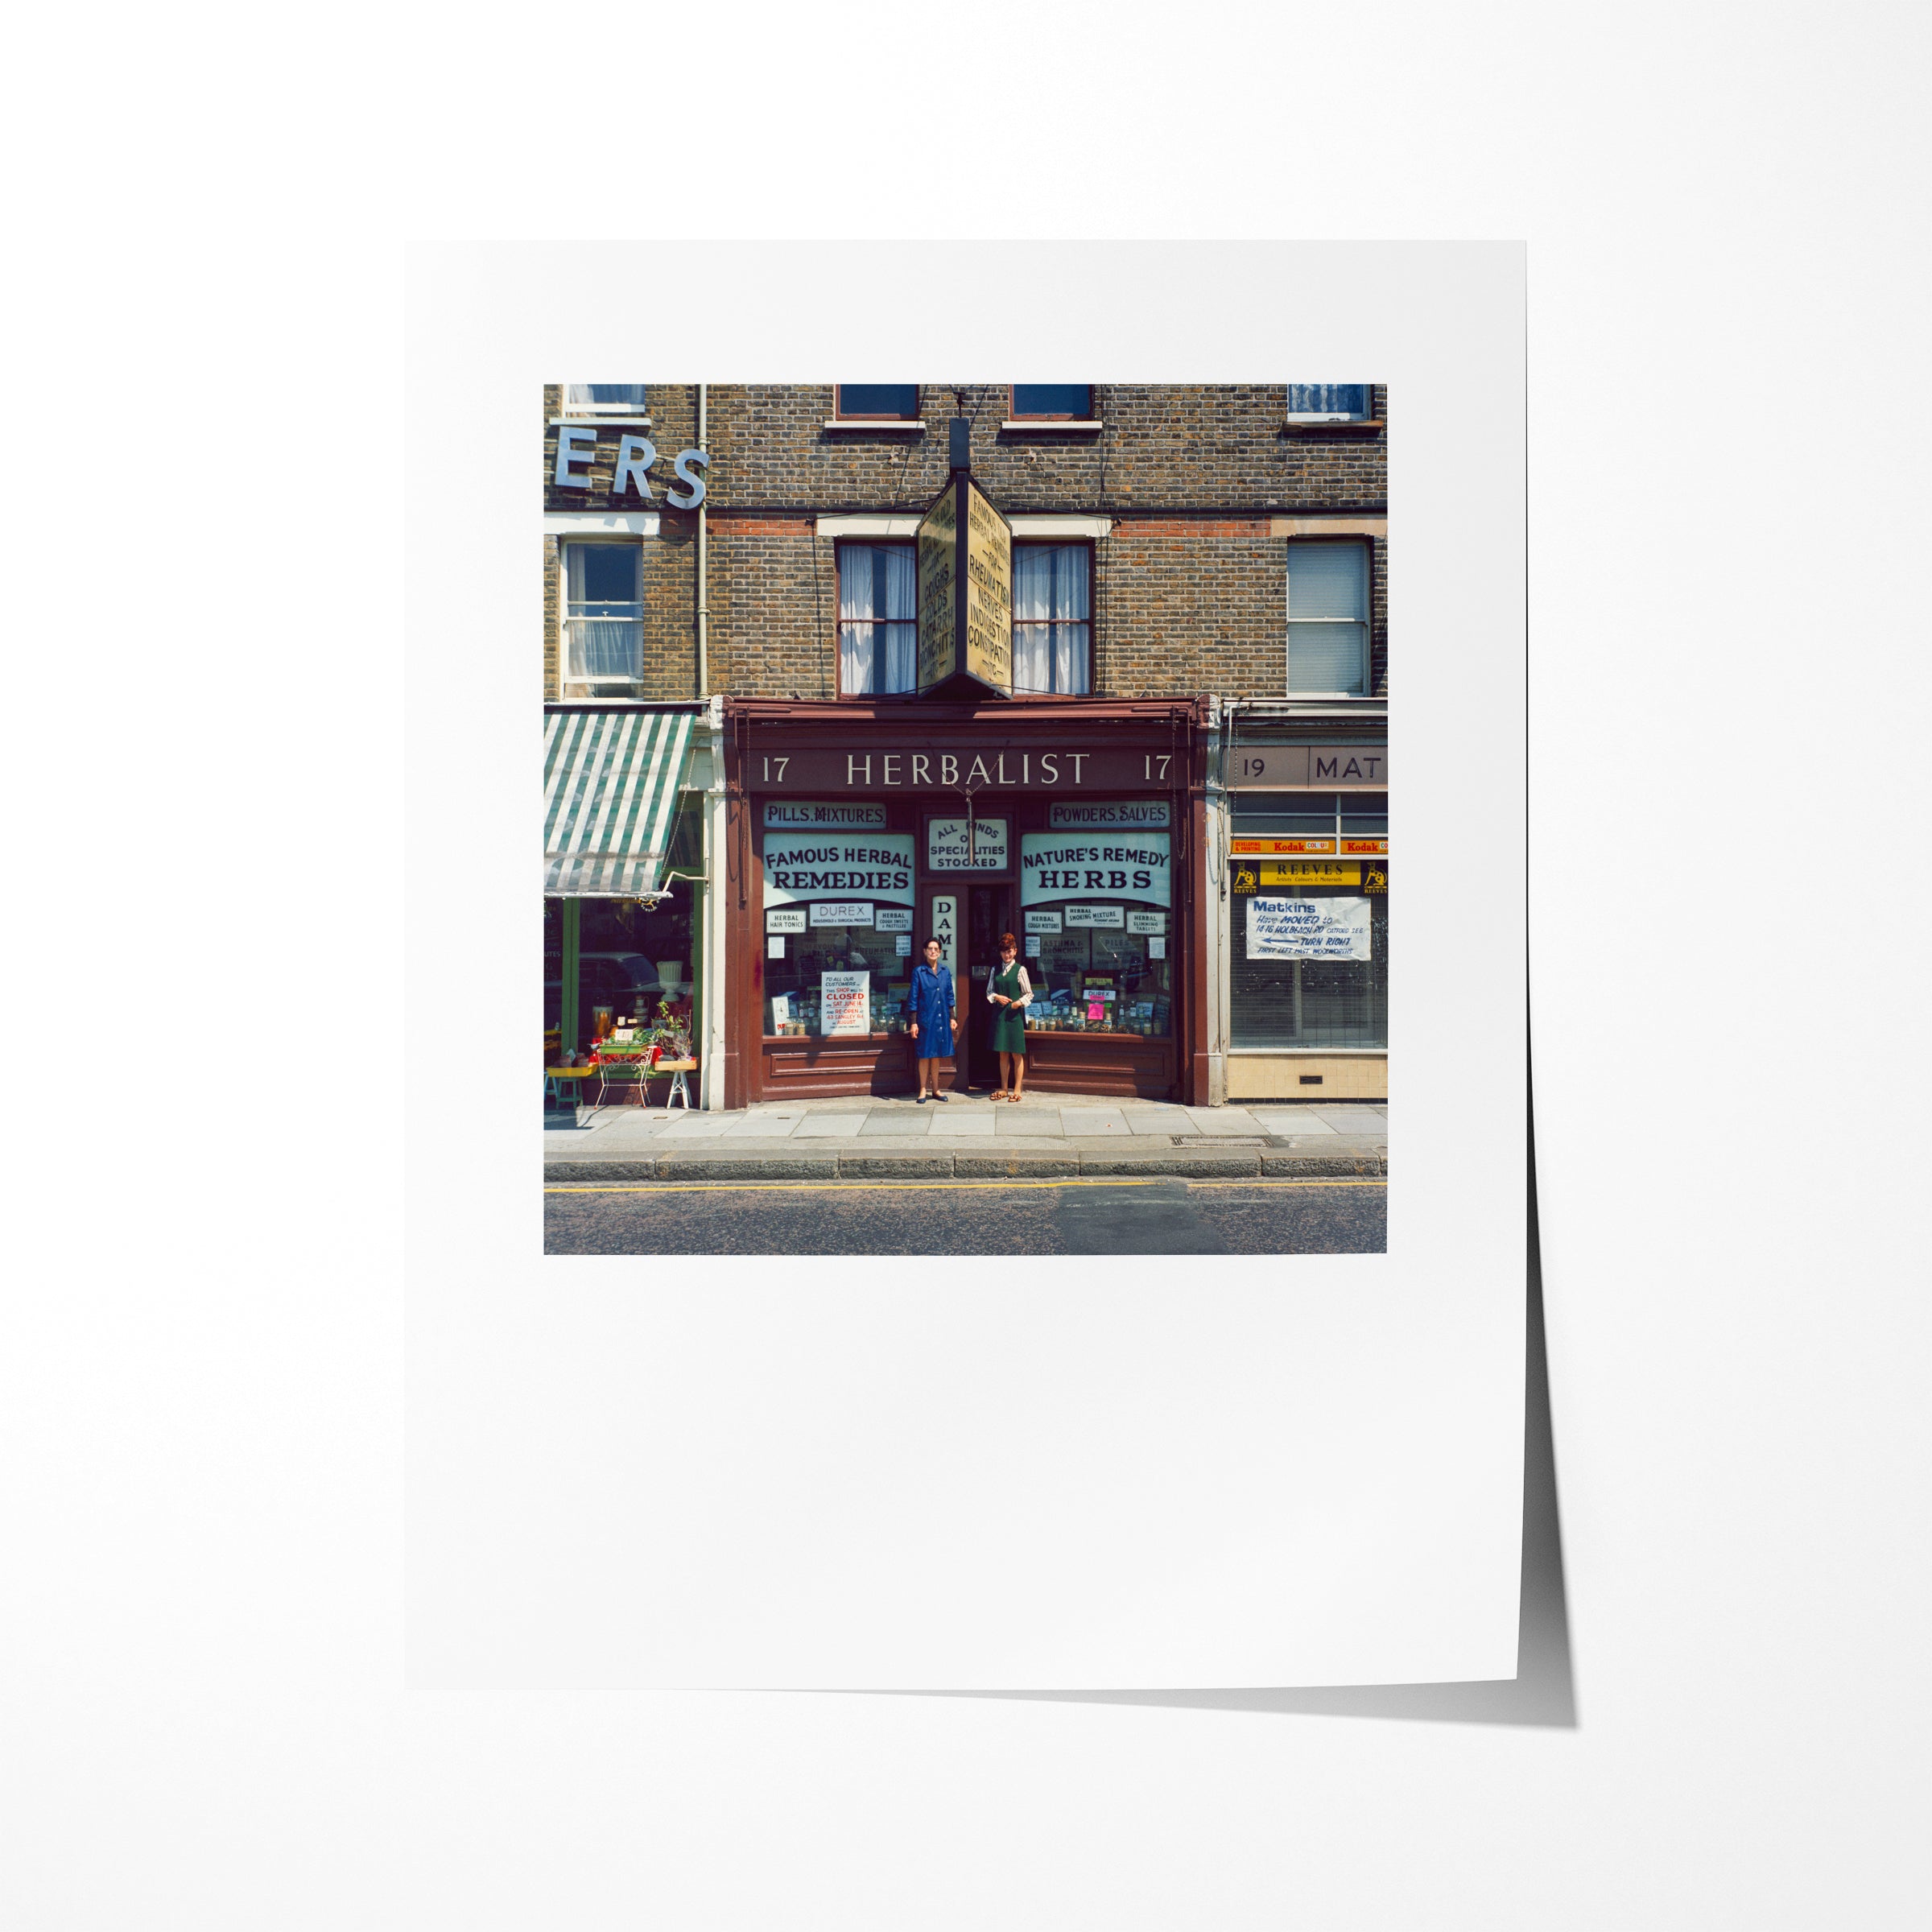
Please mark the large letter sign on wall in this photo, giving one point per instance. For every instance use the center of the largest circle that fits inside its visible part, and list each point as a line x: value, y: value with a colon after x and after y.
x: 965, y: 594
x: 1115, y: 865
x: 838, y: 865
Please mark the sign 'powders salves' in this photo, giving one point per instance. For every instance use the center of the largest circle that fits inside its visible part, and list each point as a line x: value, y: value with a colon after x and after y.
x: 1139, y: 814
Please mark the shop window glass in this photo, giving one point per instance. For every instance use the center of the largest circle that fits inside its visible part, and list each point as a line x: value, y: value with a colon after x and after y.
x: 1052, y: 618
x: 1328, y: 618
x: 1328, y: 401
x: 1310, y: 1002
x: 1366, y: 813
x: 877, y: 402
x: 1101, y: 979
x: 1284, y: 815
x: 630, y: 956
x: 799, y: 1000
x: 1050, y: 401
x: 878, y: 618
x: 603, y: 616
x: 605, y: 399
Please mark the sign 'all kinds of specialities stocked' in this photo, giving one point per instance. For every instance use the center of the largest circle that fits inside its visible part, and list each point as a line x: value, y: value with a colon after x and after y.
x: 1308, y: 929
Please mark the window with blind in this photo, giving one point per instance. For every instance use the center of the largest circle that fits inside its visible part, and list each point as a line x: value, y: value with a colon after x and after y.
x: 1053, y: 401
x: 876, y: 402
x: 1327, y: 402
x: 878, y: 619
x: 1328, y: 618
x: 615, y: 399
x: 603, y: 611
x: 1052, y: 618
x: 1311, y: 1003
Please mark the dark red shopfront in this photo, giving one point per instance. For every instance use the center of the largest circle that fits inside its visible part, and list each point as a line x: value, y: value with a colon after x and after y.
x: 856, y: 830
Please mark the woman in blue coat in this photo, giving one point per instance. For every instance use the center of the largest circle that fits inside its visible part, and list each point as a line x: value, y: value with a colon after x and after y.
x: 934, y: 1024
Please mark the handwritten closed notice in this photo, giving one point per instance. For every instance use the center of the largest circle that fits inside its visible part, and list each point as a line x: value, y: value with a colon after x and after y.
x: 1308, y: 929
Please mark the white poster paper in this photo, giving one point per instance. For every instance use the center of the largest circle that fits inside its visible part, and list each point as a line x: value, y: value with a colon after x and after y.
x: 845, y: 1002
x: 1157, y: 947
x: 1033, y: 945
x: 834, y: 865
x: 1122, y: 865
x: 774, y: 947
x: 1308, y: 929
x: 902, y: 944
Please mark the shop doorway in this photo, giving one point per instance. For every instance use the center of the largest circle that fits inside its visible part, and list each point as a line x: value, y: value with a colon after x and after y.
x: 988, y: 913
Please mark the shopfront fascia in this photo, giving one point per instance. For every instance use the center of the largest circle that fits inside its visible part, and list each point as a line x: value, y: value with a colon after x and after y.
x: 854, y: 831
x: 1302, y: 995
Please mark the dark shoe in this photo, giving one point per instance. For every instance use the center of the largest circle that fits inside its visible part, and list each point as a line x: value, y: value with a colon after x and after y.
x: 941, y: 1097
x: 920, y: 1101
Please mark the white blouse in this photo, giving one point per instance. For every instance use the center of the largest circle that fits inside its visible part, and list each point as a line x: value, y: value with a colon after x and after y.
x: 993, y: 972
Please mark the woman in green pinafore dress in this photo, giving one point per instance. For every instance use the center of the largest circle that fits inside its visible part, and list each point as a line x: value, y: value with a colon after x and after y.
x: 1010, y: 989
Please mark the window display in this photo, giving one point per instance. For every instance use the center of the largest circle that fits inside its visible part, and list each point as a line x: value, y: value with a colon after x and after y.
x: 830, y: 976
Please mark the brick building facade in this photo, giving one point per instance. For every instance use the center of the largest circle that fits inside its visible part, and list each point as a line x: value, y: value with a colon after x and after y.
x: 1192, y: 504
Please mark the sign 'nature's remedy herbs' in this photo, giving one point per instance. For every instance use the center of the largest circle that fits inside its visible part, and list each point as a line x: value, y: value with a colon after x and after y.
x: 838, y: 865
x: 1117, y: 866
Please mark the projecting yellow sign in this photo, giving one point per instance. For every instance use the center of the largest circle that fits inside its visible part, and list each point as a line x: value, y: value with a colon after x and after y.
x: 965, y: 594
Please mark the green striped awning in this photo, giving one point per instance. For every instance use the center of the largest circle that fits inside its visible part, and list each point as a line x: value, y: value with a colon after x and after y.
x: 610, y: 794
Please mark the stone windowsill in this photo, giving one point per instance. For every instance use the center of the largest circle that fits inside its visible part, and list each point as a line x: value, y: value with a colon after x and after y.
x: 889, y: 426
x: 1051, y: 424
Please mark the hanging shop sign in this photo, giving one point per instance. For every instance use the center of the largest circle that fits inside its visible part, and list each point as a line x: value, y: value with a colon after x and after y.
x: 845, y: 1002
x: 965, y: 578
x: 800, y: 865
x: 947, y: 849
x: 1308, y: 929
x: 1303, y: 872
x: 1106, y: 815
x: 998, y: 767
x: 1285, y: 767
x: 579, y: 446
x: 821, y: 814
x: 1127, y: 866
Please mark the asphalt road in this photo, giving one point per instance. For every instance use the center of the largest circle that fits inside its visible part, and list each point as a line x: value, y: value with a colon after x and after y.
x: 1153, y: 1216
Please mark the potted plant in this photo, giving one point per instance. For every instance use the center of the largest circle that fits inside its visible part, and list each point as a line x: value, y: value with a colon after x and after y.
x: 671, y: 1037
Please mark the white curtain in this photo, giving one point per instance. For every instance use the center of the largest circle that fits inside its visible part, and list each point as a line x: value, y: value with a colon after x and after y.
x: 1051, y: 617
x: 604, y: 615
x: 1329, y: 398
x: 605, y: 395
x: 878, y: 613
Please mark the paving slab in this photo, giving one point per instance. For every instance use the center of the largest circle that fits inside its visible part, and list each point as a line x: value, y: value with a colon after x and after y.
x: 1355, y: 1119
x: 1291, y: 1120
x: 902, y: 1125
x: 1026, y: 1120
x: 764, y: 1127
x: 696, y: 1127
x: 959, y: 1126
x: 1082, y: 1122
x: 1221, y: 1120
x: 1162, y: 1120
x: 829, y: 1126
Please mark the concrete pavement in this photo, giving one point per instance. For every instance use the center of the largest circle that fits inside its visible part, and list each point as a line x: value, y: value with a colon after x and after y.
x: 967, y: 1138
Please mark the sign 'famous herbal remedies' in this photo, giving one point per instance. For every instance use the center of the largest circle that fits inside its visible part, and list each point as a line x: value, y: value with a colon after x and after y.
x: 838, y: 865
x: 1113, y: 865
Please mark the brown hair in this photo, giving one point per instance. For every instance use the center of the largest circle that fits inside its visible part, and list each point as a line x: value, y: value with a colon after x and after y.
x: 1008, y: 943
